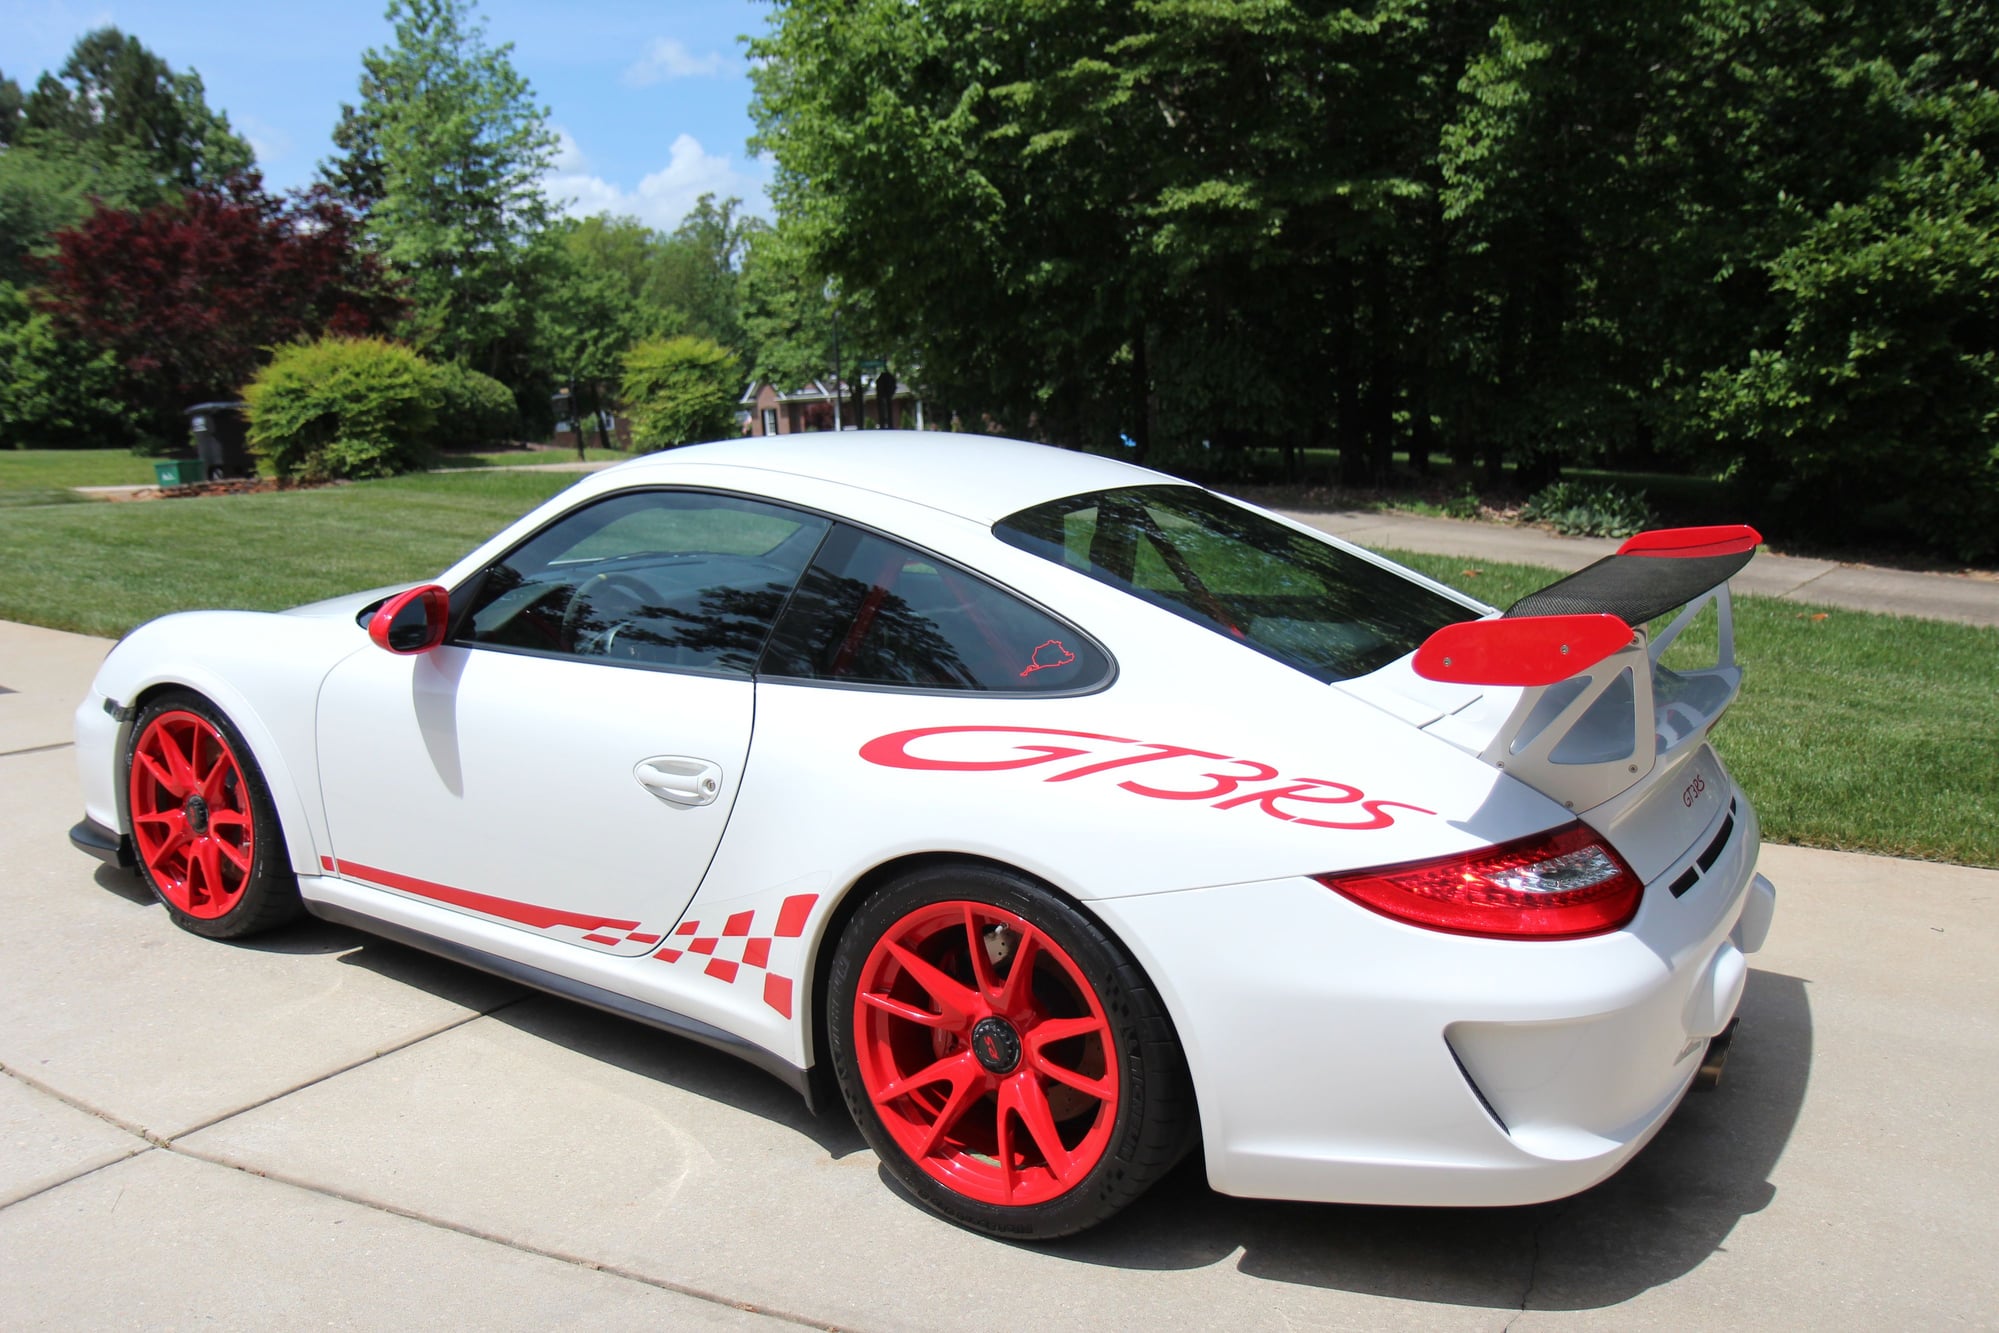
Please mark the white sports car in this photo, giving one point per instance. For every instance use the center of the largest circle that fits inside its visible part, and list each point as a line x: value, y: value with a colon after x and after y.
x: 1058, y: 814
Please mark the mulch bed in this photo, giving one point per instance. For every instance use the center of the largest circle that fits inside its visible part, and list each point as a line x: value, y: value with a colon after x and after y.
x: 232, y: 486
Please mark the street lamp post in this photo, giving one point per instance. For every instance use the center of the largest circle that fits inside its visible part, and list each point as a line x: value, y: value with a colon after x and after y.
x: 833, y: 295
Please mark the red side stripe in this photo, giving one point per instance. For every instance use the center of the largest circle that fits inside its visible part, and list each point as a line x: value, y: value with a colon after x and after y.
x: 527, y: 914
x: 757, y: 952
x: 739, y: 924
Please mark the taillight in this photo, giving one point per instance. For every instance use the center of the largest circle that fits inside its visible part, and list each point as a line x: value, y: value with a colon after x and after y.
x: 1558, y: 885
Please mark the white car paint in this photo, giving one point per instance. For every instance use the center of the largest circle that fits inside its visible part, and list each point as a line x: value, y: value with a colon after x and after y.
x: 1337, y: 1054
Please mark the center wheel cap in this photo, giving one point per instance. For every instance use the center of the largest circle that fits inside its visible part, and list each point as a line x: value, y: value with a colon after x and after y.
x: 196, y: 811
x: 996, y: 1044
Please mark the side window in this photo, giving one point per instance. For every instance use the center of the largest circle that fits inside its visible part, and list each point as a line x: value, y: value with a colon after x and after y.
x: 873, y: 612
x: 657, y: 578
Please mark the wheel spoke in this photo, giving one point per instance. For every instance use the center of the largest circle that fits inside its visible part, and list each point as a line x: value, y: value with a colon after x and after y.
x: 959, y: 1067
x: 963, y: 1091
x: 180, y: 762
x: 888, y: 1004
x: 1018, y: 991
x: 163, y: 775
x: 982, y: 964
x: 951, y: 997
x: 238, y: 857
x: 1032, y: 1105
x: 206, y: 857
x: 1101, y: 1088
x: 227, y: 818
x: 176, y: 834
x: 218, y: 773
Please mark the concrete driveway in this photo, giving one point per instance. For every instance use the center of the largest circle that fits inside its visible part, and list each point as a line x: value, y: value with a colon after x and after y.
x: 321, y: 1128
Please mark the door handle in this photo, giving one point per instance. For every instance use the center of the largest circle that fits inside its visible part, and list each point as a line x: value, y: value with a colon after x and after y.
x: 680, y: 780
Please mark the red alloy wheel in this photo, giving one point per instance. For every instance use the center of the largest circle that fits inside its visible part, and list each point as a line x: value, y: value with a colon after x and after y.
x: 986, y: 1053
x: 191, y: 817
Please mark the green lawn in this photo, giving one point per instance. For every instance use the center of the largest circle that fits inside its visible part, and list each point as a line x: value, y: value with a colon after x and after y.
x: 523, y: 457
x: 1862, y: 732
x: 44, y: 476
x: 1865, y: 732
x: 101, y: 568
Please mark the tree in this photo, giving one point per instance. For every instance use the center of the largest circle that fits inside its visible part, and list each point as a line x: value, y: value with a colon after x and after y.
x: 116, y: 99
x: 191, y: 296
x: 447, y: 151
x: 680, y: 391
x: 787, y: 316
x: 55, y: 392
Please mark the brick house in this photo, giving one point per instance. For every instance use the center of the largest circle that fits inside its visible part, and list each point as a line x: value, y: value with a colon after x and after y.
x: 764, y: 409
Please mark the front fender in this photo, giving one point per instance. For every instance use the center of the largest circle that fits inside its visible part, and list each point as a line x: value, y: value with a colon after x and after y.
x: 264, y: 672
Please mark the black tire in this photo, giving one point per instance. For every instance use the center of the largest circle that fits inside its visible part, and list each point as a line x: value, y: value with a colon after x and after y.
x: 257, y: 898
x: 1150, y: 1119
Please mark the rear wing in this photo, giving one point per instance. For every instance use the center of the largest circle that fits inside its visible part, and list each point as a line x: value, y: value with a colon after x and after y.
x: 1597, y: 709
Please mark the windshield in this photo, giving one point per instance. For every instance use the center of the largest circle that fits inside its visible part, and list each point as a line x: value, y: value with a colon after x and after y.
x: 1303, y: 601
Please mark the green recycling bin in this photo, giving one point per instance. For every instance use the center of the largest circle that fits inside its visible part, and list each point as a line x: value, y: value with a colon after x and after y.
x: 178, y: 471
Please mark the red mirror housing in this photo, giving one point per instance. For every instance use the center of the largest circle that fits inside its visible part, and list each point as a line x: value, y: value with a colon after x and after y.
x: 412, y: 622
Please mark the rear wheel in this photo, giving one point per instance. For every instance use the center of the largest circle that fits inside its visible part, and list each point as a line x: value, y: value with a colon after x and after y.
x: 204, y: 831
x: 1009, y: 1064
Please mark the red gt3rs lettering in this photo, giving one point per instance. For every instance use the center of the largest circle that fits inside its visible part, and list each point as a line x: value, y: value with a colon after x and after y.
x: 1693, y: 791
x: 1225, y: 777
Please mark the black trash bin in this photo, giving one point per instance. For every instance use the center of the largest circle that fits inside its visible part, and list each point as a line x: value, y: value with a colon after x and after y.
x: 221, y: 440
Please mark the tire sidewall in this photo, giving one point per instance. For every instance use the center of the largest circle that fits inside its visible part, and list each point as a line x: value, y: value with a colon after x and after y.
x: 269, y: 889
x: 1097, y: 1195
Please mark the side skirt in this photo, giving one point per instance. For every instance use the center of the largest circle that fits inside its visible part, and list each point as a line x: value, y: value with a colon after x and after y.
x: 798, y: 1080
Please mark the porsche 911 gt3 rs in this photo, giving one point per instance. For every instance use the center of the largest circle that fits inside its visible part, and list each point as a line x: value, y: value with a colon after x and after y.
x: 1054, y: 814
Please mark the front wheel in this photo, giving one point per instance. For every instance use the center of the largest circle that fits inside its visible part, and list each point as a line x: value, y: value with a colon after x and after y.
x: 1010, y: 1065
x: 203, y: 827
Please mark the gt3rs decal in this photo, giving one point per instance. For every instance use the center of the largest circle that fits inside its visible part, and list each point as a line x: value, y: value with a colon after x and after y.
x: 573, y: 927
x: 970, y: 749
x: 688, y: 941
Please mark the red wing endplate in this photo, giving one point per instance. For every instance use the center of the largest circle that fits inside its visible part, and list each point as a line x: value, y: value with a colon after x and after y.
x: 1519, y: 650
x: 1651, y: 574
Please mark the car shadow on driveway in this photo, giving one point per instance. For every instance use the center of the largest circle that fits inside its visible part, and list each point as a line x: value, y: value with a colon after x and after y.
x: 1656, y: 1220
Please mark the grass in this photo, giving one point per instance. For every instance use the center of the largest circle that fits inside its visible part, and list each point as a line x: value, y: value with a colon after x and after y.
x: 44, y: 476
x: 1862, y: 732
x: 101, y: 568
x: 523, y: 457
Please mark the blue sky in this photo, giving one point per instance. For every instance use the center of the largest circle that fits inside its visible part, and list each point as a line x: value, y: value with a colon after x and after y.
x: 651, y: 99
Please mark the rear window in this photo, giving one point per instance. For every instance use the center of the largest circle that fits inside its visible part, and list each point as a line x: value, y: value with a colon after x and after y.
x: 1331, y: 614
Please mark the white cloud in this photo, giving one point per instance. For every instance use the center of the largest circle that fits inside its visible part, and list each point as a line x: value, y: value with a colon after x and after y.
x: 663, y: 198
x: 268, y: 142
x: 670, y: 59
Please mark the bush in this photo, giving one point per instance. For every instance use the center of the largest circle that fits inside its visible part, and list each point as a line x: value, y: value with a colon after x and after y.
x: 1580, y: 509
x: 473, y: 410
x: 56, y: 392
x: 343, y: 407
x: 680, y: 391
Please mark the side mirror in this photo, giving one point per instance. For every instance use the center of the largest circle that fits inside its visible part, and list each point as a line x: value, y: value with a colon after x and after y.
x: 412, y: 622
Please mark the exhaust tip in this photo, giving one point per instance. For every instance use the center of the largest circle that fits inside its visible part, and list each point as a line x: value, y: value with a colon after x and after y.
x: 1708, y: 1077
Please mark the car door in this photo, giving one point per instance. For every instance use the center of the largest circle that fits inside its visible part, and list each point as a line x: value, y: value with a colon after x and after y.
x: 566, y: 762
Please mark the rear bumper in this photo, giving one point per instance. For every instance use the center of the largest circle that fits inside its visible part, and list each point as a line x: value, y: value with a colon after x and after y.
x: 1339, y: 1056
x: 114, y: 849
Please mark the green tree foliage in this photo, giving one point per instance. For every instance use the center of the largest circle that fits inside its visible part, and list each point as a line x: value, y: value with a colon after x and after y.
x: 787, y: 313
x: 446, y: 152
x: 1530, y: 232
x: 115, y: 124
x: 473, y: 410
x: 115, y: 99
x: 56, y: 392
x: 680, y: 390
x: 343, y: 407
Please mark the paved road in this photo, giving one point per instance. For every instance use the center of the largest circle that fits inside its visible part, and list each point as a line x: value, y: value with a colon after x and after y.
x: 323, y: 1128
